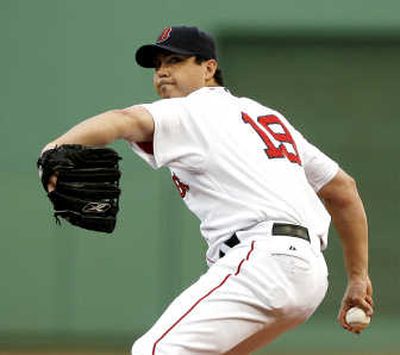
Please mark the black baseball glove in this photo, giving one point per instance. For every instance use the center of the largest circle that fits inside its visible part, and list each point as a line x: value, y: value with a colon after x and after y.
x: 87, y: 190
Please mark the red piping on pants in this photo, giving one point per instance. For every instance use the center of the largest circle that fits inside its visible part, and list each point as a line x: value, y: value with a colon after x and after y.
x: 204, y: 297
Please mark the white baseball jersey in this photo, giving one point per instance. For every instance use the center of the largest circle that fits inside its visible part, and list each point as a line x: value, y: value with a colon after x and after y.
x: 237, y: 163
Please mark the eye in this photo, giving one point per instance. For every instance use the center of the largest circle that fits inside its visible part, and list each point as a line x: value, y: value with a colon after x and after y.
x: 174, y: 59
x: 168, y: 60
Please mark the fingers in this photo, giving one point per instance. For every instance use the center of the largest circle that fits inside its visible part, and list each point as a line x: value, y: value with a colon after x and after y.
x: 342, y: 321
x: 51, y: 186
x: 358, y: 294
x: 370, y: 302
x: 365, y: 303
x: 356, y: 329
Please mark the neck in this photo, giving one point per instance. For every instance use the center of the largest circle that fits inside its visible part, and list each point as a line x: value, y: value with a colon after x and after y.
x: 211, y: 83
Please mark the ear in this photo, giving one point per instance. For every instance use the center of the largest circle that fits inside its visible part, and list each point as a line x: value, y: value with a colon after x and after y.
x: 210, y: 67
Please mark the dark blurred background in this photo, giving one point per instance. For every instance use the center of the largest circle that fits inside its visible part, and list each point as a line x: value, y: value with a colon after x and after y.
x: 332, y: 67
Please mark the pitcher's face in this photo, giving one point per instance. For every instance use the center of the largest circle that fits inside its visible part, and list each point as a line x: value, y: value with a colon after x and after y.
x: 177, y: 75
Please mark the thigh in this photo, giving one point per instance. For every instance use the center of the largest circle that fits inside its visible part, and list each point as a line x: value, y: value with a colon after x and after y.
x: 242, y: 297
x: 299, y: 287
x: 205, y: 318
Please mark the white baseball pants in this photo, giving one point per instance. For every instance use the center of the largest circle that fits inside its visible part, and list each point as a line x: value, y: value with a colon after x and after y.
x: 261, y: 288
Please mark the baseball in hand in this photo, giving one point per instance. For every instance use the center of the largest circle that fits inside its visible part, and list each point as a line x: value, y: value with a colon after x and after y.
x: 357, y: 318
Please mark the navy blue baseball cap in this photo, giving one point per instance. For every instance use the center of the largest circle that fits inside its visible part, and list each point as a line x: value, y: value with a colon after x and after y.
x: 184, y: 40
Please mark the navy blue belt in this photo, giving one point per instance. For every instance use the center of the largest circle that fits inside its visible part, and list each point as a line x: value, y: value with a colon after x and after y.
x: 288, y: 230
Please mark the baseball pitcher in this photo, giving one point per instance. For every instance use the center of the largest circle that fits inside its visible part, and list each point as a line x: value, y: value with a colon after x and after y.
x: 263, y: 193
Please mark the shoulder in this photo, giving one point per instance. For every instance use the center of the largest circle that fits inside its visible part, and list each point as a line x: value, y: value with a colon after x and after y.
x: 256, y: 108
x: 209, y: 93
x: 166, y: 107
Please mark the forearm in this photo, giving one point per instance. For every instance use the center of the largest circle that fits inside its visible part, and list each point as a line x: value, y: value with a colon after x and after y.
x: 133, y: 124
x: 344, y: 204
x: 346, y: 208
x: 350, y: 222
x: 96, y: 131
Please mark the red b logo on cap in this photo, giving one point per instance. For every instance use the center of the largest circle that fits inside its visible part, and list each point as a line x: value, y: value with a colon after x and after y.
x: 164, y: 34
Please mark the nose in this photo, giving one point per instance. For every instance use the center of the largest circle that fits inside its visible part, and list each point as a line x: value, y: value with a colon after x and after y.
x: 162, y: 70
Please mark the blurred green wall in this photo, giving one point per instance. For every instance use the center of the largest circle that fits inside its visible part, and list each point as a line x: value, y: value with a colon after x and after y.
x: 330, y: 66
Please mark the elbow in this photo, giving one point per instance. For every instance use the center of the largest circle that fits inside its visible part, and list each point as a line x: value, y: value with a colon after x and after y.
x: 341, y: 192
x: 349, y: 183
x: 348, y: 193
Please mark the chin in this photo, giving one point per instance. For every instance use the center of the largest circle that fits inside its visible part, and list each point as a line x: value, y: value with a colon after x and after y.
x: 165, y: 93
x: 170, y: 94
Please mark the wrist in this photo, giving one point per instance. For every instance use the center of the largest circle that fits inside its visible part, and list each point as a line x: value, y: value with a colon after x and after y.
x: 357, y: 277
x: 48, y: 147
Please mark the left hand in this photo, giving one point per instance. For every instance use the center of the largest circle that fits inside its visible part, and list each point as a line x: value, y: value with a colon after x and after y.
x: 358, y: 294
x: 51, y: 186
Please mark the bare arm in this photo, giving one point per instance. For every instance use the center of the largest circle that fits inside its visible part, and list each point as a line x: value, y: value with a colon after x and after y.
x: 133, y: 124
x: 344, y: 204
